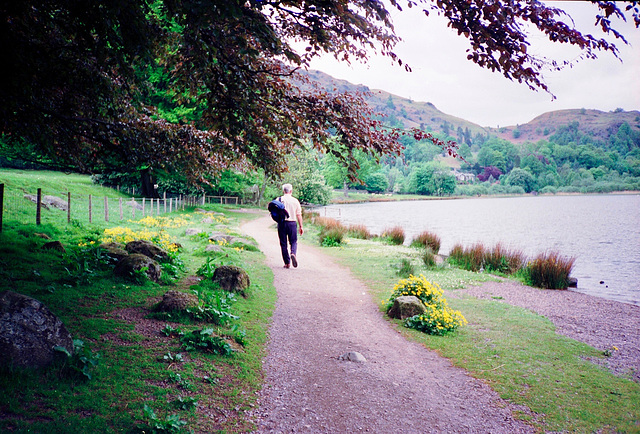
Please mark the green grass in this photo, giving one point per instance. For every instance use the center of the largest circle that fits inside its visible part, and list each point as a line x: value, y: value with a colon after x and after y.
x: 515, y: 351
x: 79, y: 288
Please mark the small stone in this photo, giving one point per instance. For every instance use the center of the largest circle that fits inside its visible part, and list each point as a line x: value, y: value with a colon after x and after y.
x: 353, y: 356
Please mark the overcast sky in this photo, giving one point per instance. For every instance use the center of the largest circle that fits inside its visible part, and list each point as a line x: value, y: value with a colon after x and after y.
x: 442, y: 75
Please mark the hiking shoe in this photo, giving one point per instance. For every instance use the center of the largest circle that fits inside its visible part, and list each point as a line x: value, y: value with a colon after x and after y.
x: 294, y: 261
x: 286, y: 266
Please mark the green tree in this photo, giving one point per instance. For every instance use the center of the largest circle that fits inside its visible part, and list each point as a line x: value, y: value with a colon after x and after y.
x: 521, y: 178
x: 376, y: 182
x: 202, y: 87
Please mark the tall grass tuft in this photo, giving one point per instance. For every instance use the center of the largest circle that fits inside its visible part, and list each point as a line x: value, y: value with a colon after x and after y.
x: 429, y: 258
x: 549, y: 270
x: 428, y: 240
x: 359, y: 231
x: 327, y: 222
x: 502, y: 260
x: 394, y: 235
x: 470, y: 258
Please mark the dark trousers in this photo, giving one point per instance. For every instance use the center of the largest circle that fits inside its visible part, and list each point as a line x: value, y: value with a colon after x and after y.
x: 288, y: 230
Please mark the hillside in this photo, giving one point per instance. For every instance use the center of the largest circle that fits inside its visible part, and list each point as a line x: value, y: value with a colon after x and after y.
x: 411, y: 113
x: 595, y: 123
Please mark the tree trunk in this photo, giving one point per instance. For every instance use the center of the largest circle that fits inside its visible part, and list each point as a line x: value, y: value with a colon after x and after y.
x: 262, y: 189
x: 148, y: 184
x: 346, y: 189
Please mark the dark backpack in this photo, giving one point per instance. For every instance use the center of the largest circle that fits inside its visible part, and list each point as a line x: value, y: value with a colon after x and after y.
x: 276, y: 208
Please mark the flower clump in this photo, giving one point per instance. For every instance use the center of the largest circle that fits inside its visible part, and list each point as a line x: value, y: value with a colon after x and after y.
x: 439, y: 318
x: 125, y: 235
x: 162, y: 222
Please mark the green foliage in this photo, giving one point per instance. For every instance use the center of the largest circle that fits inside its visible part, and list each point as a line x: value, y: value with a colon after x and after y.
x: 81, y: 362
x: 213, y: 306
x: 171, y: 424
x: 376, y: 182
x: 431, y: 179
x: 521, y: 178
x: 206, y: 341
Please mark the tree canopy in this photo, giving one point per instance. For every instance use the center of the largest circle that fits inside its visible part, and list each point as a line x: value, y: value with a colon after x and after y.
x: 203, y: 86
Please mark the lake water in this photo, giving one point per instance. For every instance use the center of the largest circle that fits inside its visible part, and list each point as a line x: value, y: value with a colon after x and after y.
x: 601, y: 231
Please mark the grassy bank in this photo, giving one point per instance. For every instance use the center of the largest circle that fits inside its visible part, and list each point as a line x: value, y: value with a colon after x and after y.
x: 144, y: 379
x: 515, y: 351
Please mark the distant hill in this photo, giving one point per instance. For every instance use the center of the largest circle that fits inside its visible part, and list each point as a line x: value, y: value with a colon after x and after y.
x: 595, y: 123
x: 411, y: 113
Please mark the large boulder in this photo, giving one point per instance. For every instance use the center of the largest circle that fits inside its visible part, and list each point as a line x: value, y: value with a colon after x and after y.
x: 54, y: 245
x: 177, y: 300
x: 232, y: 278
x: 29, y: 332
x: 406, y: 306
x: 129, y: 265
x: 148, y: 249
x: 115, y: 251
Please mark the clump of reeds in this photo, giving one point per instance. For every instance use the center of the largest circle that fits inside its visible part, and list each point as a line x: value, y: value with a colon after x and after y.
x: 332, y: 232
x: 327, y: 222
x: 359, y: 231
x: 502, y: 260
x: 467, y: 258
x: 428, y: 240
x: 332, y: 236
x: 549, y: 270
x: 394, y: 235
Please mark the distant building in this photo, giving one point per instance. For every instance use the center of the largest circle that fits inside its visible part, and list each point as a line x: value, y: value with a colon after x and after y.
x: 463, y: 177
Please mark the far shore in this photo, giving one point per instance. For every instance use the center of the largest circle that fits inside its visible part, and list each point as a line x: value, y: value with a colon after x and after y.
x: 363, y: 197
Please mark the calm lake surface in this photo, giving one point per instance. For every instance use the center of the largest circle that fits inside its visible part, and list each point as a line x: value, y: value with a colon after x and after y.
x: 601, y: 231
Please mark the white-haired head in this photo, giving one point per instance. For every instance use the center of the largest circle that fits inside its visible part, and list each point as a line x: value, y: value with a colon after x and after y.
x: 287, y: 188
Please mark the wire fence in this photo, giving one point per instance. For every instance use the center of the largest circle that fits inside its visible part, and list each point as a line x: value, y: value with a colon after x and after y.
x: 59, y: 207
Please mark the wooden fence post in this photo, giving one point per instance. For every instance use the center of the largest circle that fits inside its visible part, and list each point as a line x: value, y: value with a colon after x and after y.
x: 90, y: 210
x: 158, y: 207
x: 164, y: 201
x: 68, y: 207
x: 120, y: 204
x: 38, y: 206
x: 1, y: 204
x: 143, y: 205
x: 106, y: 209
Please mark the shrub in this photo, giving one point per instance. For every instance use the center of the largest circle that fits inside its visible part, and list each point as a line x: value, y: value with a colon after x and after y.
x: 439, y: 318
x: 429, y: 240
x: 359, y: 231
x: 394, y: 235
x: 549, y: 271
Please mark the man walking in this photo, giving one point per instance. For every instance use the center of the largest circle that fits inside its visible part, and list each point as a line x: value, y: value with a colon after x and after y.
x: 288, y: 229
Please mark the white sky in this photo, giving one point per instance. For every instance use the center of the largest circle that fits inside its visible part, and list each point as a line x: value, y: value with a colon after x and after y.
x: 442, y: 75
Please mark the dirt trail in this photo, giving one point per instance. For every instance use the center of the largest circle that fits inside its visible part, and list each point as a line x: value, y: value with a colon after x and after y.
x: 323, y: 312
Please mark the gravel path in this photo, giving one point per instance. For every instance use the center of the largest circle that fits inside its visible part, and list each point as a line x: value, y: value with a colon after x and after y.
x: 323, y: 312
